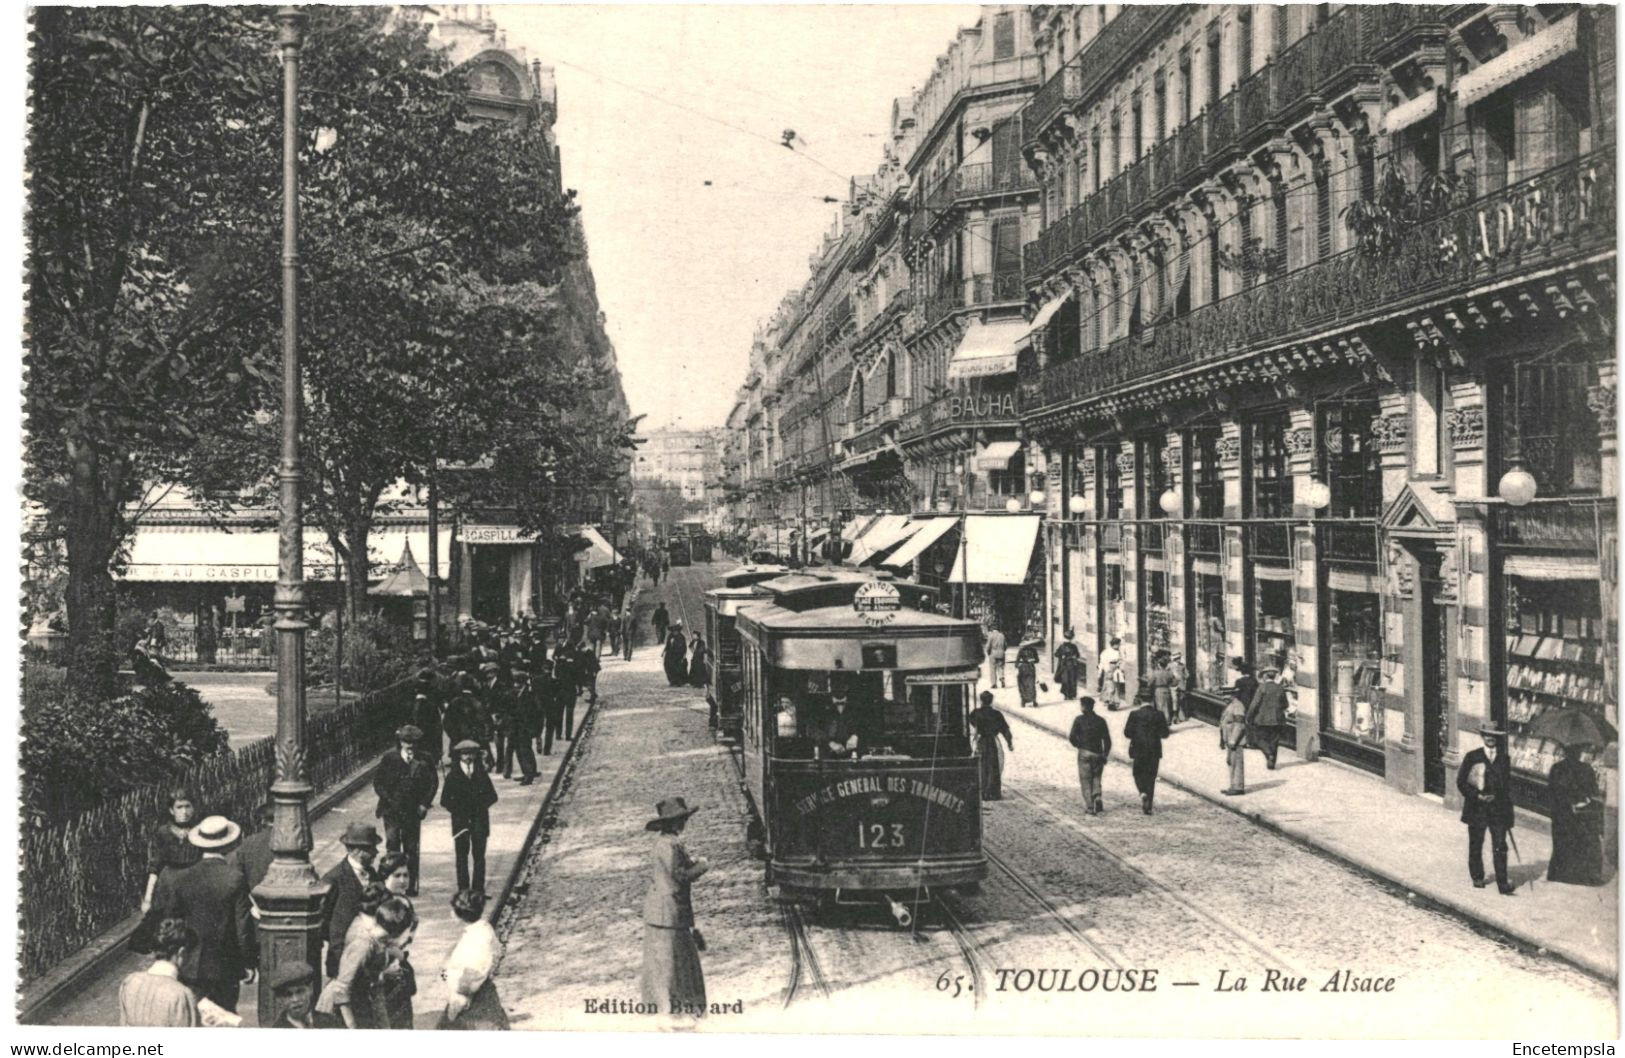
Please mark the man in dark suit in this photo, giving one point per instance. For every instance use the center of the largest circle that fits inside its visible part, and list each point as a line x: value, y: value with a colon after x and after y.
x: 253, y: 855
x: 1485, y: 782
x: 526, y: 724
x: 425, y: 714
x: 345, y: 883
x: 468, y: 795
x: 1267, y: 713
x: 1145, y: 729
x: 212, y: 897
x: 405, y: 784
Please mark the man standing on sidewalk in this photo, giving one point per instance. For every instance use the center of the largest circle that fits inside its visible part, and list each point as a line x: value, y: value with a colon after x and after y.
x: 1093, y: 741
x: 1267, y: 714
x: 345, y: 883
x: 1145, y: 730
x: 995, y: 656
x: 405, y: 784
x: 211, y: 896
x: 1111, y: 673
x: 468, y: 796
x: 628, y: 625
x: 1485, y: 782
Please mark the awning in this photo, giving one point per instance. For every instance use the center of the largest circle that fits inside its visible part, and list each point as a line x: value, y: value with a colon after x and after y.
x: 817, y: 535
x: 1551, y: 567
x: 878, y: 548
x: 1518, y: 61
x: 858, y: 526
x: 987, y: 349
x: 408, y: 579
x: 599, y: 554
x: 185, y: 553
x: 1045, y: 314
x: 996, y: 455
x: 929, y: 533
x: 1410, y: 112
x: 998, y: 549
x: 881, y: 535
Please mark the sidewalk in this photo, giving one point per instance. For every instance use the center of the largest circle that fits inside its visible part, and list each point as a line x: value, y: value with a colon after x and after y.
x: 1415, y: 843
x: 513, y: 818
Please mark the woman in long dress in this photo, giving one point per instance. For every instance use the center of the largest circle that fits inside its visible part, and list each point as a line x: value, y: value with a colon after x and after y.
x: 1577, y: 817
x: 699, y: 666
x: 168, y: 851
x: 989, y: 724
x: 473, y: 1002
x: 672, y: 981
x: 1027, y: 674
x: 676, y: 656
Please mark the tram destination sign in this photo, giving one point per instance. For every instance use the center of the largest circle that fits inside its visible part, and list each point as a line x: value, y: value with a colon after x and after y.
x: 877, y: 602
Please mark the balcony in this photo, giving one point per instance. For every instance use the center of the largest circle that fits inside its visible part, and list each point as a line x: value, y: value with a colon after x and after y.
x: 1061, y: 89
x: 980, y: 178
x: 1349, y: 542
x: 1270, y: 541
x: 961, y: 410
x: 1088, y: 70
x: 1562, y: 214
x: 1204, y: 539
x: 973, y: 292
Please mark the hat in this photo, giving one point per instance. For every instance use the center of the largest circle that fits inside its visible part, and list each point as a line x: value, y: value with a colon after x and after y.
x: 425, y: 676
x: 1491, y: 729
x: 1070, y: 633
x: 408, y: 732
x: 468, y: 745
x: 668, y: 811
x: 1086, y: 701
x: 294, y: 973
x: 489, y: 666
x: 1270, y: 670
x: 360, y: 836
x: 215, y: 832
x: 1240, y: 664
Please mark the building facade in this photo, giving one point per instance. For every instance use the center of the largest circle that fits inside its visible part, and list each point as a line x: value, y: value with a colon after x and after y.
x: 688, y: 459
x: 1328, y: 297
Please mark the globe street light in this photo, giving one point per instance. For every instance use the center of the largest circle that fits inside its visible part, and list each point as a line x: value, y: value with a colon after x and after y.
x: 1517, y: 486
x: 1076, y: 504
x: 1037, y: 497
x: 1169, y: 502
x: 1012, y: 505
x: 1318, y: 496
x: 290, y: 897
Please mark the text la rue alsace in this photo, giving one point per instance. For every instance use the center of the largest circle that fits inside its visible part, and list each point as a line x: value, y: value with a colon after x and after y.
x: 1146, y: 980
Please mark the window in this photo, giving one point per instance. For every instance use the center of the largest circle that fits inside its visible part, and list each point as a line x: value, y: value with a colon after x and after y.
x: 1280, y: 25
x: 1007, y: 257
x: 1244, y: 44
x: 1004, y: 35
x: 1160, y: 114
x: 1214, y: 36
x: 1094, y: 151
x: 1430, y: 441
x: 1350, y: 460
x: 1137, y: 120
x: 1110, y: 501
x: 1117, y: 143
x: 1153, y: 477
x: 1546, y: 423
x: 1323, y: 213
x: 1207, y: 484
x: 1244, y: 221
x: 891, y: 376
x: 1006, y: 153
x: 1213, y: 262
x: 1185, y: 86
x: 1498, y: 130
x: 1282, y: 225
x: 1268, y: 483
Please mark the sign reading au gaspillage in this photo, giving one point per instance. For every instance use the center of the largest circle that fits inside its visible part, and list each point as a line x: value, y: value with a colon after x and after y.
x: 496, y: 534
x: 877, y: 602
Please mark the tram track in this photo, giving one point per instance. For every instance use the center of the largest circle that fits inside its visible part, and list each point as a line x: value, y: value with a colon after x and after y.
x: 970, y: 949
x: 804, y: 965
x: 1050, y: 909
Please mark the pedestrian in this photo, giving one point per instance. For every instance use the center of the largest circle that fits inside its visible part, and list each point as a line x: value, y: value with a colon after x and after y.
x: 495, y: 698
x: 466, y: 720
x: 1485, y: 783
x: 996, y: 647
x: 699, y: 665
x: 556, y: 692
x: 472, y: 1001
x: 1266, y: 715
x: 355, y: 996
x: 155, y: 998
x: 425, y: 715
x: 1112, y: 677
x: 989, y: 724
x: 565, y: 666
x: 597, y: 628
x: 1180, y: 679
x: 345, y: 883
x: 676, y: 656
x: 1577, y: 808
x: 527, y: 725
x: 366, y: 907
x: 1145, y: 730
x: 587, y: 668
x: 661, y: 620
x: 157, y: 637
x: 1093, y: 740
x: 291, y: 986
x: 1068, y: 661
x: 1027, y: 675
x: 399, y: 979
x: 253, y: 854
x: 1233, y: 740
x: 1163, y: 686
x: 395, y: 874
x: 211, y: 896
x: 629, y: 625
x: 1246, y: 686
x: 672, y: 981
x: 405, y: 784
x: 468, y: 796
x: 169, y: 849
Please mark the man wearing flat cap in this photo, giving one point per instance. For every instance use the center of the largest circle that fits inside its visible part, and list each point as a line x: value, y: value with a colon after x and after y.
x: 405, y: 784
x: 468, y: 796
x: 345, y: 884
x: 1485, y: 783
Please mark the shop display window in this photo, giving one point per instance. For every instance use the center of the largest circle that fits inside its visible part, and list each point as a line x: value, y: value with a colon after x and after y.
x: 1355, y: 677
x: 1555, y: 658
x: 1154, y: 636
x: 1276, y: 641
x: 1212, y: 663
x: 1111, y: 585
x: 1351, y: 461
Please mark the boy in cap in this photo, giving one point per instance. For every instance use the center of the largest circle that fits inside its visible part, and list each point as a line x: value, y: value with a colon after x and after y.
x: 290, y: 994
x: 345, y: 884
x: 468, y: 796
x: 405, y: 784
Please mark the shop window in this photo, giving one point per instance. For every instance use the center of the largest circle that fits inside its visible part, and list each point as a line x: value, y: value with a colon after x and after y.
x: 1110, y: 503
x: 1547, y: 425
x: 1211, y: 671
x: 1276, y: 643
x: 1555, y: 658
x: 1154, y: 607
x: 1356, y: 665
x: 1350, y: 461
x: 1268, y: 484
x: 1112, y: 622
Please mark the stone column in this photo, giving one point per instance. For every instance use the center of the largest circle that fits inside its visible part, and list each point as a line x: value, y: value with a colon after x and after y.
x: 1301, y: 448
x: 1232, y: 564
x: 1129, y: 555
x: 1470, y: 682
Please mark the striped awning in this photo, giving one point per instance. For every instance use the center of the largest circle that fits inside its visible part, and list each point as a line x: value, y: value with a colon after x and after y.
x: 1410, y: 112
x: 1519, y: 61
x: 987, y: 349
x: 1045, y: 314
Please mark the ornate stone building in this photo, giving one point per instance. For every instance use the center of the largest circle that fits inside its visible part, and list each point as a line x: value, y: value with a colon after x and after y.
x: 1326, y: 295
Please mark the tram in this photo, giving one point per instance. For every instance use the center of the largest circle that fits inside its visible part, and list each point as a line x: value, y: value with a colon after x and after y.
x: 857, y: 750
x: 699, y: 547
x: 679, y: 552
x: 721, y: 609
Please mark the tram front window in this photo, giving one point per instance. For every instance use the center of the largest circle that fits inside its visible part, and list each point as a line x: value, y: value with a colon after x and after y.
x: 867, y: 715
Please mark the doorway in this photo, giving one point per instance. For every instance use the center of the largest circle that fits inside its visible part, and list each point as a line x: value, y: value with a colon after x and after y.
x: 490, y: 583
x: 1435, y: 665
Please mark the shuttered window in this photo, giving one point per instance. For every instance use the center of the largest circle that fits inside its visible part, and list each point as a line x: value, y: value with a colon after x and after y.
x: 1323, y: 213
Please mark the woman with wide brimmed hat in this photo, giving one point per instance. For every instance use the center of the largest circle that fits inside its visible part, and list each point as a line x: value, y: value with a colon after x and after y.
x: 675, y: 656
x: 672, y: 980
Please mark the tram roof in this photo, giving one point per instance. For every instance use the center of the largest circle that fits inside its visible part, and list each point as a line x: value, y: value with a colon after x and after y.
x: 835, y: 587
x: 769, y: 617
x: 742, y: 576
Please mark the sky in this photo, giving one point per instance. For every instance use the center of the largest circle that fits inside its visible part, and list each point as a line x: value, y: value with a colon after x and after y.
x: 656, y: 100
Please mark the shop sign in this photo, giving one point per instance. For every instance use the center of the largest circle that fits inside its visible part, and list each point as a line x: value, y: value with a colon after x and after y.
x: 497, y: 534
x: 877, y: 602
x: 976, y: 407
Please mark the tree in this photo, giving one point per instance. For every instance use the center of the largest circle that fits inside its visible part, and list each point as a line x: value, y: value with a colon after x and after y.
x: 151, y: 268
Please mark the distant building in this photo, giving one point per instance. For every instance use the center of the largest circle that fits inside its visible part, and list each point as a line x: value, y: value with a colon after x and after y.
x: 688, y: 459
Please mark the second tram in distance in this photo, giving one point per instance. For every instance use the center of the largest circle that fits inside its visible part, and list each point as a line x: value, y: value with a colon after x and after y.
x: 856, y: 743
x: 721, y: 610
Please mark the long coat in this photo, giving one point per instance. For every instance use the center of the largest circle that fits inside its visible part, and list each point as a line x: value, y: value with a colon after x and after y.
x: 671, y: 977
x: 1145, y: 730
x: 469, y: 800
x: 212, y: 896
x: 1493, y: 805
x: 1269, y: 705
x: 339, y: 908
x: 403, y: 788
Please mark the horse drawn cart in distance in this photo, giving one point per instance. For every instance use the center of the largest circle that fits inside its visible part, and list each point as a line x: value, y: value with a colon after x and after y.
x: 857, y: 751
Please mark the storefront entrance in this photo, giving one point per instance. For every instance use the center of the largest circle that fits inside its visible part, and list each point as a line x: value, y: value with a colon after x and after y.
x: 490, y: 580
x: 1435, y: 680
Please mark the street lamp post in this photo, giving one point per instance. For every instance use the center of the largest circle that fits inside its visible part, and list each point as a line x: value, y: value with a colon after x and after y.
x: 290, y: 897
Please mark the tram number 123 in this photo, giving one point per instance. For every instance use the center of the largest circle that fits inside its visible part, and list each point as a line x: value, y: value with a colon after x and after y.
x: 880, y: 835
